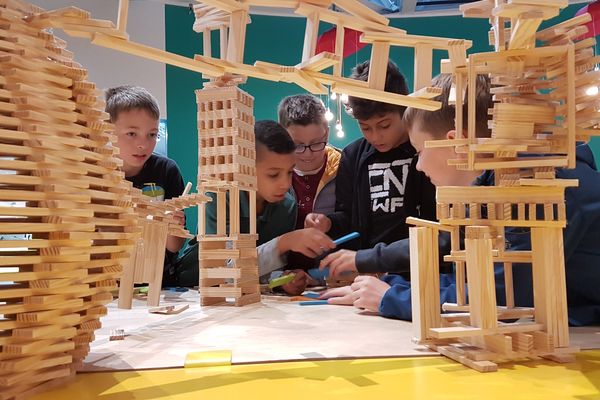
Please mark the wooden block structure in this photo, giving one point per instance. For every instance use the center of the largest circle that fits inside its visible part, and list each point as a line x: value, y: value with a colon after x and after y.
x: 542, y: 106
x: 68, y: 231
x: 227, y: 169
x: 155, y: 224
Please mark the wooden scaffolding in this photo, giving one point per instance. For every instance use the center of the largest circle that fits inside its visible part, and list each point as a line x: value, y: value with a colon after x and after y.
x: 541, y: 108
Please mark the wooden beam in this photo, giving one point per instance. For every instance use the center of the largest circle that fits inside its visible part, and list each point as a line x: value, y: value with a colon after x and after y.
x: 410, y: 40
x: 319, y: 62
x: 311, y: 34
x: 386, y: 97
x: 340, y: 33
x: 423, y: 66
x: 237, y: 36
x: 361, y: 11
x: 227, y: 5
x: 152, y: 53
x: 380, y: 55
x: 123, y: 13
x: 338, y: 18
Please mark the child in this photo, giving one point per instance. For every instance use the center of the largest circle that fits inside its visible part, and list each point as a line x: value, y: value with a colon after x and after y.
x: 313, y: 180
x: 582, y: 256
x: 275, y: 208
x: 135, y: 114
x: 377, y: 186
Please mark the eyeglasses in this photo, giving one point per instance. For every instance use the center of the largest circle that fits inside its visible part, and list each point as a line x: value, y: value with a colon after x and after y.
x: 313, y: 147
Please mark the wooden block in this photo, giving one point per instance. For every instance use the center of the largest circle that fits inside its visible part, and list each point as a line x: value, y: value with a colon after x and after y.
x: 170, y: 309
x: 424, y: 264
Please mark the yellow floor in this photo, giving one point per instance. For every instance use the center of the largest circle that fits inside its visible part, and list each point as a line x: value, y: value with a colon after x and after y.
x: 385, y: 378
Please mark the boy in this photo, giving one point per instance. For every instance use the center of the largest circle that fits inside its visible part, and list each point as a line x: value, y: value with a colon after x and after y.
x: 313, y: 179
x: 581, y: 235
x: 135, y: 114
x: 377, y: 186
x: 275, y: 208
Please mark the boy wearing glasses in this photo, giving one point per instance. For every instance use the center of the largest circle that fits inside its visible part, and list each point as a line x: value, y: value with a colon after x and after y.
x: 313, y: 179
x: 377, y: 187
x: 135, y: 114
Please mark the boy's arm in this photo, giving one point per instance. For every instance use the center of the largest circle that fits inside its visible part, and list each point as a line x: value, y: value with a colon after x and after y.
x: 397, y: 303
x: 395, y: 257
x: 269, y: 257
x: 344, y: 182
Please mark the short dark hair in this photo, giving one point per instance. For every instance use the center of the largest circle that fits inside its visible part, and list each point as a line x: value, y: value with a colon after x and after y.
x: 301, y: 109
x: 394, y: 83
x: 439, y: 122
x: 273, y: 137
x: 125, y: 98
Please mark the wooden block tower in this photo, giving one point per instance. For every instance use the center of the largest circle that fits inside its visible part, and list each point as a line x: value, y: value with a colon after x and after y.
x: 65, y: 205
x: 542, y: 106
x: 227, y: 169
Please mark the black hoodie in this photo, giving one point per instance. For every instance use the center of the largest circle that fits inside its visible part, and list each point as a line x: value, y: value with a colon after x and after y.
x: 380, y: 247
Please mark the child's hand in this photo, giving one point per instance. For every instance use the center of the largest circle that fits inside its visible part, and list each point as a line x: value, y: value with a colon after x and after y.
x: 309, y: 241
x: 299, y: 284
x: 318, y: 221
x: 368, y: 291
x: 342, y: 296
x: 340, y: 262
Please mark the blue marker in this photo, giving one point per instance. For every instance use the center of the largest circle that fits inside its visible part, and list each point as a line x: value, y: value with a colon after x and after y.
x: 312, y: 303
x: 346, y: 238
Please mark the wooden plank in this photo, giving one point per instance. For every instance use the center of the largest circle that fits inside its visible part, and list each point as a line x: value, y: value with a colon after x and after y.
x: 237, y: 36
x: 361, y: 11
x: 311, y: 34
x: 319, y: 62
x: 380, y: 52
x: 386, y: 97
x: 122, y: 17
x: 349, y: 21
x: 407, y: 40
x: 151, y: 53
x: 424, y: 266
x: 423, y: 66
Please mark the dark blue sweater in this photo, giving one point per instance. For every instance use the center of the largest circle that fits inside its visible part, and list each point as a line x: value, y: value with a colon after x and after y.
x: 582, y: 253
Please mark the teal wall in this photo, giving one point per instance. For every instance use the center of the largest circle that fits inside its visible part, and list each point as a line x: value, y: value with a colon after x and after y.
x: 279, y: 40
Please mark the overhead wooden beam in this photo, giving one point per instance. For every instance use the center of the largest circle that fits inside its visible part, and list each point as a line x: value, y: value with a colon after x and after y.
x: 320, y: 62
x: 380, y: 55
x: 123, y: 13
x: 152, y: 53
x: 311, y: 35
x: 359, y: 10
x: 226, y: 5
x: 237, y: 36
x: 385, y: 97
x: 349, y: 21
x: 410, y: 40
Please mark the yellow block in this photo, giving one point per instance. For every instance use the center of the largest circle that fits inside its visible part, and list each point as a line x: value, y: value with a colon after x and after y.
x: 212, y: 358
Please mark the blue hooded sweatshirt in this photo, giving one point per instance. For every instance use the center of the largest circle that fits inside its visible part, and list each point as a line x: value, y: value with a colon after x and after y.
x: 582, y: 253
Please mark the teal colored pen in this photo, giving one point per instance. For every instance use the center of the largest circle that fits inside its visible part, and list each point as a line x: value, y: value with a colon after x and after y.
x: 346, y: 238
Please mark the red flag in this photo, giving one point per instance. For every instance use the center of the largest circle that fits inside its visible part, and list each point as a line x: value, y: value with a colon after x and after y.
x: 352, y: 44
x: 594, y: 25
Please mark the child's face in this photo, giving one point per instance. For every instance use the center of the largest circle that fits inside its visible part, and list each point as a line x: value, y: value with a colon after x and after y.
x: 434, y: 161
x: 314, y: 135
x: 273, y: 174
x: 137, y: 132
x: 384, y: 132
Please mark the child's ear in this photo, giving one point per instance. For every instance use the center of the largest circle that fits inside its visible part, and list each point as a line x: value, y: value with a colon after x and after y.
x: 451, y: 134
